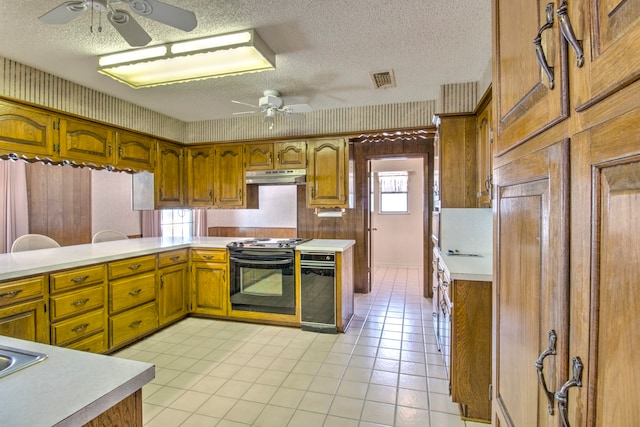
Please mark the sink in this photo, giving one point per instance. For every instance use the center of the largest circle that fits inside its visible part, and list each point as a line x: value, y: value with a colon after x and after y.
x: 14, y: 359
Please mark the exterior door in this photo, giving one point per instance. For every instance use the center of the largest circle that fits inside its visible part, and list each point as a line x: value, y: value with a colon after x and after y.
x: 526, y: 102
x: 531, y: 285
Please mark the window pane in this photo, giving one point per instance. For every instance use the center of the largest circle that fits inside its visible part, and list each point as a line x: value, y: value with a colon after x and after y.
x: 393, y: 202
x: 176, y: 222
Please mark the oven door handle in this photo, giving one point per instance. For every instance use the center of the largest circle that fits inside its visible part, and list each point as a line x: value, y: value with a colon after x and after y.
x: 241, y: 261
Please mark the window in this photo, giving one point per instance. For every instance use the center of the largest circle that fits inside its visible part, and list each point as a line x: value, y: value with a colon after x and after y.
x: 394, y: 194
x: 177, y: 222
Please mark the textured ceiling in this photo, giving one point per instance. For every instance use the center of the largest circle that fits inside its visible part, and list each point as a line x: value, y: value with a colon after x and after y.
x: 325, y: 50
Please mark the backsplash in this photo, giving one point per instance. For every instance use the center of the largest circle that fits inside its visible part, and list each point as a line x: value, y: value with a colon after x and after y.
x: 468, y: 230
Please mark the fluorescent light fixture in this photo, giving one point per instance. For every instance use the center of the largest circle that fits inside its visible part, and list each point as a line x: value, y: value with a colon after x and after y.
x: 217, y: 56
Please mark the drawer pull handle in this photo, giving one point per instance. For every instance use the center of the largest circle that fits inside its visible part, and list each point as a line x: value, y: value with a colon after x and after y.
x: 135, y: 266
x: 80, y: 279
x: 80, y: 328
x: 542, y: 59
x: 80, y: 302
x: 11, y: 294
x: 207, y: 256
x: 135, y: 324
x: 562, y: 396
x: 175, y: 258
x: 539, y: 363
x: 135, y: 292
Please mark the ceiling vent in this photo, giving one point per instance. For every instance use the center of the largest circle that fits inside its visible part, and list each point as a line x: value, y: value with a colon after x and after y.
x: 383, y: 79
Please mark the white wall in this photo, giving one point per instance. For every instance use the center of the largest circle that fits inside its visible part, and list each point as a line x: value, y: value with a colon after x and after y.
x: 277, y: 208
x: 111, y: 203
x: 398, y: 240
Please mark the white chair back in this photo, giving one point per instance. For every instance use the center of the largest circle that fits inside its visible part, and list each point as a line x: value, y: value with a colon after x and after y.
x: 29, y: 242
x: 108, y: 236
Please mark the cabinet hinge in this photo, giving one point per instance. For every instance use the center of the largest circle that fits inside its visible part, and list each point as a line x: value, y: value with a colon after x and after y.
x: 56, y: 124
x: 490, y: 392
x: 45, y: 307
x: 490, y: 135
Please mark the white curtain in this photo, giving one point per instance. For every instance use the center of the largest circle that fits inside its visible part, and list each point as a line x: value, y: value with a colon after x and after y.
x: 200, y: 228
x: 151, y: 224
x: 15, y: 205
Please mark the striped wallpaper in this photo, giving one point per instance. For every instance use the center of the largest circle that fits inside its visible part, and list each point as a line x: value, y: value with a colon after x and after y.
x: 29, y: 84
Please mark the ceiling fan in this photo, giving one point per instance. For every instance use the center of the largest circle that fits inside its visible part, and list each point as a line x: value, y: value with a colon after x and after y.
x: 271, y: 105
x: 122, y: 20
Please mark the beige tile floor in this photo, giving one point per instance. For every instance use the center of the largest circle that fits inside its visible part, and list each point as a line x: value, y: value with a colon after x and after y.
x: 384, y: 371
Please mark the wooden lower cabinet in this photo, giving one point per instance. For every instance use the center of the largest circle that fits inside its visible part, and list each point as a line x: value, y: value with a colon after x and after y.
x: 209, y: 280
x: 172, y: 286
x: 127, y: 412
x: 22, y: 309
x: 132, y: 324
x: 471, y: 348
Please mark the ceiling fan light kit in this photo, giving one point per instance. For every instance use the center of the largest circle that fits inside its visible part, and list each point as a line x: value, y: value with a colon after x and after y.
x: 208, y: 57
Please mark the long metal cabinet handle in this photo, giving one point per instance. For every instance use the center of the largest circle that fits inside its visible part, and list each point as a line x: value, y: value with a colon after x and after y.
x: 562, y: 394
x: 542, y: 59
x: 567, y: 31
x: 551, y: 349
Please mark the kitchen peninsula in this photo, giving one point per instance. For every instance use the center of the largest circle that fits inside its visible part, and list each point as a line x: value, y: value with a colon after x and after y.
x: 102, y: 297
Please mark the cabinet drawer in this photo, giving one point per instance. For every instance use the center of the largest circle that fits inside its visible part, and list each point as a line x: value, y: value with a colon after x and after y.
x: 76, y: 302
x: 92, y: 344
x: 172, y: 257
x: 203, y: 255
x: 75, y: 278
x: 131, y: 266
x: 133, y: 323
x: 132, y: 291
x: 77, y: 327
x: 21, y: 290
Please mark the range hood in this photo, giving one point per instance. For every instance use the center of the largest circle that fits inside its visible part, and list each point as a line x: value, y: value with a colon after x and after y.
x: 290, y: 176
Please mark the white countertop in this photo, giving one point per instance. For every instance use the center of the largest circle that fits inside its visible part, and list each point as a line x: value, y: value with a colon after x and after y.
x: 22, y: 264
x: 469, y: 268
x: 326, y: 245
x: 68, y: 388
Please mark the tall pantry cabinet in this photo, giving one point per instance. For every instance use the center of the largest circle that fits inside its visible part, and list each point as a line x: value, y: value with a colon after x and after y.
x: 567, y: 192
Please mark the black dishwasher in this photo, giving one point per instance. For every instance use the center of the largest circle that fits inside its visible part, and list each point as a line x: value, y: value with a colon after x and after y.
x: 318, y: 291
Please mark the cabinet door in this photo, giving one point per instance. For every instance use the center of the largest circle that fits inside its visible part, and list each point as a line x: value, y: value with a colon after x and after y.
x: 209, y: 281
x: 25, y: 321
x: 24, y: 130
x: 531, y: 284
x: 291, y: 155
x: 200, y: 177
x: 525, y: 102
x: 169, y: 176
x: 229, y: 179
x: 86, y: 142
x: 457, y: 173
x: 484, y: 158
x: 327, y: 174
x: 135, y: 152
x: 259, y: 156
x: 172, y: 301
x: 609, y: 36
x: 605, y: 297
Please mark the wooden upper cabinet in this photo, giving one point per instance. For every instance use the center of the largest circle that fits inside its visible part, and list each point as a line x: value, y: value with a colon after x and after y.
x: 169, y: 176
x: 457, y: 160
x: 229, y: 179
x: 610, y: 52
x: 525, y: 102
x: 200, y: 176
x: 327, y: 172
x: 278, y: 155
x: 134, y: 151
x: 291, y: 155
x: 25, y: 130
x: 484, y: 156
x: 84, y: 142
x: 259, y: 156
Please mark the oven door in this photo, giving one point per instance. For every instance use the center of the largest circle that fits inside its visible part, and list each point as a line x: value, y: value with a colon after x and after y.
x: 263, y: 281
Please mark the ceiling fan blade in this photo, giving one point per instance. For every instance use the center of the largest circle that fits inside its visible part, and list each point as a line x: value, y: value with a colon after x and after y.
x: 165, y: 13
x: 64, y: 13
x: 297, y: 108
x: 128, y: 27
x: 244, y: 103
x: 240, y: 113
